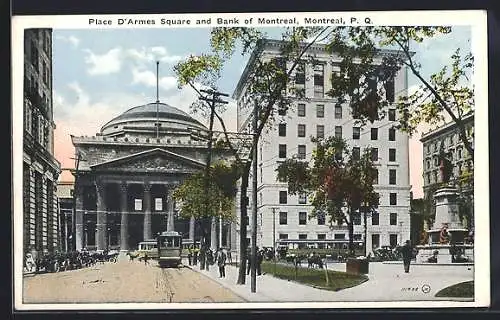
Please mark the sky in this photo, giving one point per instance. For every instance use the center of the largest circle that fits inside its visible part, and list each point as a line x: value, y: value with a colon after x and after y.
x: 99, y: 74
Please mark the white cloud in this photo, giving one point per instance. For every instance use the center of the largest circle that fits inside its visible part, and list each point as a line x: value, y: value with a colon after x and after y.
x: 148, y: 78
x: 145, y: 55
x: 71, y: 39
x: 109, y: 62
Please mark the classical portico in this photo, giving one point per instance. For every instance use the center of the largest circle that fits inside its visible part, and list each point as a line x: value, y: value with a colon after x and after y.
x: 128, y: 173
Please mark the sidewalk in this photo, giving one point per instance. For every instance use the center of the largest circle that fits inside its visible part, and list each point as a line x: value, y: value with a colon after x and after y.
x: 386, y: 283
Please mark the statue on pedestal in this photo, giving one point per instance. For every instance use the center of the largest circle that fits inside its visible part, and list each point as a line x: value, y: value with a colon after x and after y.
x: 445, y: 165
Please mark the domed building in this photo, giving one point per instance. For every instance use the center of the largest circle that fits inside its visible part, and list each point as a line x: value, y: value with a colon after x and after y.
x: 127, y: 174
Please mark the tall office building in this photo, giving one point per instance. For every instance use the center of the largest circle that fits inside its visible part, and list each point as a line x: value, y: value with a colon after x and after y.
x: 40, y: 168
x: 320, y: 116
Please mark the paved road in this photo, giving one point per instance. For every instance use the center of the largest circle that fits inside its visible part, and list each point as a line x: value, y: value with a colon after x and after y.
x: 124, y: 281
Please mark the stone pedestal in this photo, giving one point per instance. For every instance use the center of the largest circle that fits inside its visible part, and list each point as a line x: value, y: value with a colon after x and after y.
x: 447, y: 223
x: 147, y: 212
x: 170, y: 211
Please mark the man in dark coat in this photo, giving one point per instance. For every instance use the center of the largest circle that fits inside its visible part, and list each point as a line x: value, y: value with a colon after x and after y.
x: 407, y: 253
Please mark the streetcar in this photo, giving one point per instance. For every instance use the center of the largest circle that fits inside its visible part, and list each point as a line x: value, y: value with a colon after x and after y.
x: 169, y: 249
x: 149, y: 248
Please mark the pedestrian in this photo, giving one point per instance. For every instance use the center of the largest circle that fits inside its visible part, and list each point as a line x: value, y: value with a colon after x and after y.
x: 146, y: 259
x: 221, y: 262
x: 195, y: 256
x: 249, y: 261
x: 190, y: 255
x: 260, y: 258
x: 407, y: 253
x: 229, y: 258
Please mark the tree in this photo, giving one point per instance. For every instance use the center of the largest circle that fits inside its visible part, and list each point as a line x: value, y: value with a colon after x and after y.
x: 267, y: 86
x: 340, y: 183
x: 202, y: 202
x: 446, y: 94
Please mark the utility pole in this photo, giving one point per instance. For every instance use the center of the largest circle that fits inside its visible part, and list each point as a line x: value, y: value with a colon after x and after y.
x: 78, y: 158
x: 212, y: 101
x: 274, y: 238
x: 253, y: 280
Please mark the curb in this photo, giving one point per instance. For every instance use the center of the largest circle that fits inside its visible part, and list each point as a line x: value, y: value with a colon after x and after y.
x: 219, y: 283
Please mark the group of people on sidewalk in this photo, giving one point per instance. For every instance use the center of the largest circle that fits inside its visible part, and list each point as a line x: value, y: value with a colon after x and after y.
x: 259, y: 259
x: 221, y: 256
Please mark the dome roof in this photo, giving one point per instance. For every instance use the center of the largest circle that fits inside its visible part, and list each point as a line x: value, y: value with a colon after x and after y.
x: 147, y: 115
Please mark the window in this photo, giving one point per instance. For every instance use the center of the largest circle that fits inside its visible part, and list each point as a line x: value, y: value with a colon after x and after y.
x: 283, y: 218
x: 338, y: 111
x: 282, y: 129
x: 356, y: 131
x: 321, y: 236
x: 375, y: 218
x: 138, y: 204
x: 357, y: 237
x: 320, y: 111
x: 356, y: 218
x: 389, y: 90
x: 375, y: 176
x: 339, y: 236
x: 374, y: 154
x: 356, y: 153
x: 301, y: 130
x: 301, y: 110
x: 393, y: 240
x: 321, y: 219
x: 319, y: 81
x: 283, y: 197
x: 282, y: 150
x: 374, y: 133
x: 158, y: 204
x: 300, y: 74
x: 302, y: 151
x: 302, y: 236
x: 393, y: 199
x: 392, y: 134
x: 320, y: 131
x: 338, y: 131
x: 392, y: 156
x: 302, y: 198
x: 283, y: 236
x: 392, y: 114
x: 392, y: 176
x: 393, y: 218
x: 302, y: 217
x: 375, y: 241
x: 282, y: 111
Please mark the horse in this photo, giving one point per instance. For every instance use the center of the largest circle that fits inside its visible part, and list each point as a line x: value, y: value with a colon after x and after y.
x: 132, y: 256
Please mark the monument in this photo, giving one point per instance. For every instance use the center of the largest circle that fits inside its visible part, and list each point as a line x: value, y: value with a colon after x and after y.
x: 447, y: 240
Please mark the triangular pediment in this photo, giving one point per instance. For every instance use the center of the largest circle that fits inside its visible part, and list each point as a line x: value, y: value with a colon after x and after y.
x: 154, y: 160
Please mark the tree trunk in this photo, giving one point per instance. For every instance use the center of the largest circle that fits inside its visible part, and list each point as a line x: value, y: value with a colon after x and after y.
x: 350, y: 225
x: 243, y: 224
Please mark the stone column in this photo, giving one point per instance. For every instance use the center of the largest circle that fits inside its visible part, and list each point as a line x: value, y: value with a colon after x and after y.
x: 228, y: 235
x: 78, y: 217
x: 101, y: 217
x: 191, y: 228
x: 213, y: 234
x: 147, y: 211
x: 170, y: 210
x: 124, y: 217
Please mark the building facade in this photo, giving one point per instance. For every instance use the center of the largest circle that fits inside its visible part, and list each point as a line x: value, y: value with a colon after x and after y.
x: 320, y: 116
x: 127, y: 173
x: 40, y: 169
x: 65, y: 205
x: 446, y: 139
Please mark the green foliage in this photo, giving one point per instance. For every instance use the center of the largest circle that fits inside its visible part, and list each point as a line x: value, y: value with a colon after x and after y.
x: 459, y: 290
x: 340, y: 184
x: 315, y: 277
x: 220, y: 195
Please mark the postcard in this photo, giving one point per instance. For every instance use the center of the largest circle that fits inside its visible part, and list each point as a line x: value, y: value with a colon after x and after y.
x: 250, y: 161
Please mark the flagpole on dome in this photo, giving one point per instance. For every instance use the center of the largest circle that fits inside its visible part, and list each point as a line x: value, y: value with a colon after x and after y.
x: 157, y: 124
